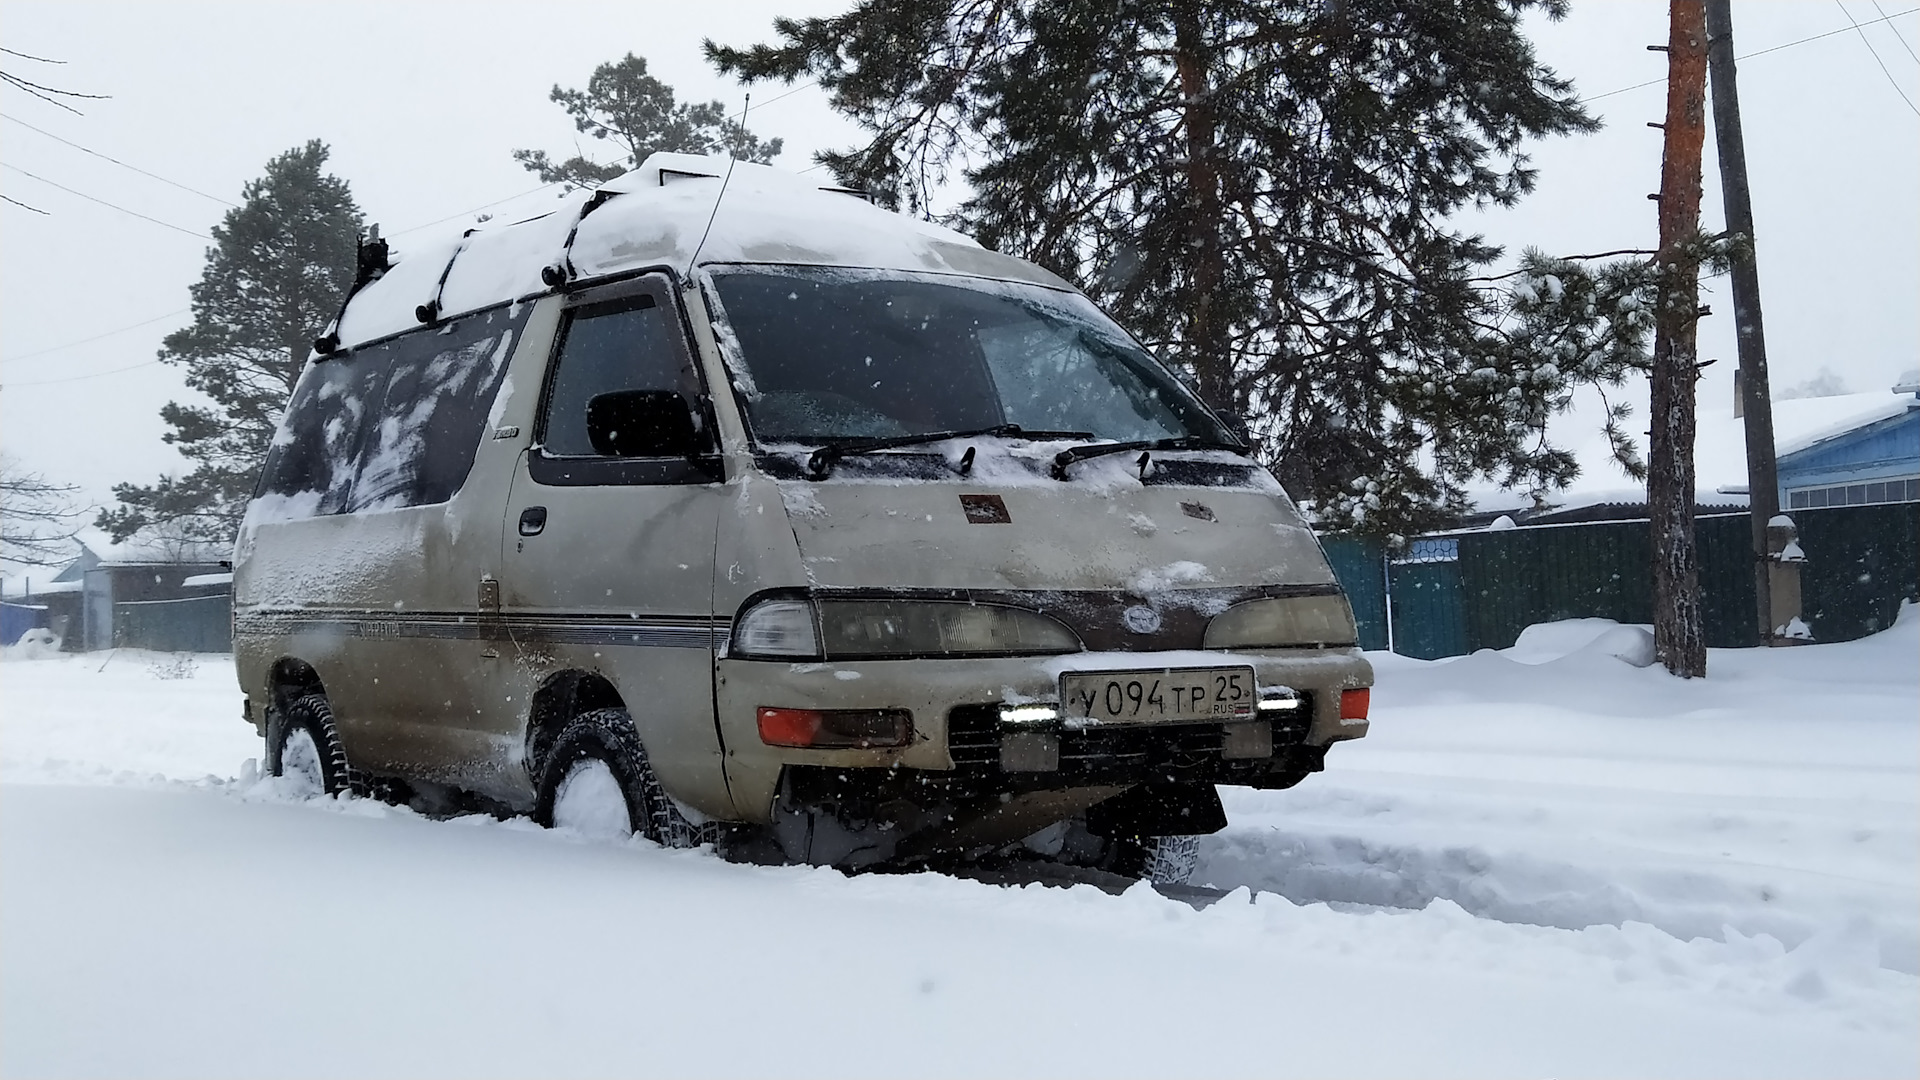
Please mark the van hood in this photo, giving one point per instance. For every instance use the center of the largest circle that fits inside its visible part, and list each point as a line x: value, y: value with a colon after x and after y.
x: 1101, y: 530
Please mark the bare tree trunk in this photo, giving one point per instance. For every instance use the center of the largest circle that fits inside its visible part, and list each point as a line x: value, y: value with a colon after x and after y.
x: 1206, y: 334
x: 1678, y: 639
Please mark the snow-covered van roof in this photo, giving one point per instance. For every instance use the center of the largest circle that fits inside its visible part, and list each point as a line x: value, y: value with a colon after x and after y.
x: 658, y: 215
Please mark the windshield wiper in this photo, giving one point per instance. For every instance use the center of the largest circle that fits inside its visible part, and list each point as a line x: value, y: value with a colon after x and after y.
x: 820, y: 462
x: 1064, y: 460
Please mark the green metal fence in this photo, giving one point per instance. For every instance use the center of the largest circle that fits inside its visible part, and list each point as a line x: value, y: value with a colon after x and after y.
x: 1361, y: 567
x: 1453, y: 595
x: 1518, y: 577
x: 195, y: 624
x: 1862, y: 561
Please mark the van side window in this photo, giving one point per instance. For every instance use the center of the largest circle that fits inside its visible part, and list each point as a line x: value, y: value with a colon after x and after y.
x: 389, y: 425
x: 315, y: 454
x: 433, y: 416
x: 631, y: 343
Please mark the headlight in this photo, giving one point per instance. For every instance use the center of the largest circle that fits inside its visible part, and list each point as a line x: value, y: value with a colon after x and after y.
x: 782, y: 628
x: 878, y: 628
x: 1283, y: 622
x: 792, y: 629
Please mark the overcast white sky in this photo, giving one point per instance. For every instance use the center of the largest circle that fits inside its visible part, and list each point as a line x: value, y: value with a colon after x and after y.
x: 422, y: 104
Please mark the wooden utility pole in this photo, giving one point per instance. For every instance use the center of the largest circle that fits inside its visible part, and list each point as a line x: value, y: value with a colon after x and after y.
x: 1763, y: 495
x: 1678, y: 639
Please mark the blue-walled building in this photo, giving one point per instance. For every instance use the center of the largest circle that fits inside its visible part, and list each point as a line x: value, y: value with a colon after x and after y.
x: 1877, y: 460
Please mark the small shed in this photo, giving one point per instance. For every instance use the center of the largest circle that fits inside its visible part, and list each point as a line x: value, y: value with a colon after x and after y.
x: 171, y: 595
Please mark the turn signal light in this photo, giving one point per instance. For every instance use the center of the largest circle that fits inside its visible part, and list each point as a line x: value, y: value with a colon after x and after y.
x: 1353, y: 703
x: 858, y: 729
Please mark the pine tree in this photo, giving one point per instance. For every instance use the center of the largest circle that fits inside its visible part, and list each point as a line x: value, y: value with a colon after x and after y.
x: 624, y: 105
x: 280, y: 263
x: 1265, y: 191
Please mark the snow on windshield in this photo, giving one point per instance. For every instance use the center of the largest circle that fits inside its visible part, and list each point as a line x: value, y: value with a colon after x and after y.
x: 835, y: 354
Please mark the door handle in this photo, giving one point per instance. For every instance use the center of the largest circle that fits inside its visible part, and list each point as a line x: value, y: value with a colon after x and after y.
x: 532, y: 520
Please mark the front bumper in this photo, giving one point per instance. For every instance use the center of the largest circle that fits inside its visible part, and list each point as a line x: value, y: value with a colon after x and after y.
x: 959, y: 740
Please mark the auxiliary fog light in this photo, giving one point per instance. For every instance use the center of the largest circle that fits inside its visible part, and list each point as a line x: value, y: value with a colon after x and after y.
x: 1029, y: 715
x: 1279, y: 702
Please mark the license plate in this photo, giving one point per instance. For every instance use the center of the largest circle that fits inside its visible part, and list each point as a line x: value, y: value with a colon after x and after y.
x: 1147, y: 697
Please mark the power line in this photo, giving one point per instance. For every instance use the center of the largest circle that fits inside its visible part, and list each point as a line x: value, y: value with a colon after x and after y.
x: 22, y: 205
x: 78, y: 378
x: 475, y: 210
x: 117, y: 161
x: 96, y: 337
x: 103, y: 202
x: 41, y: 92
x: 184, y: 311
x: 556, y: 183
x: 1876, y: 59
x: 29, y: 56
x: 783, y: 97
x: 1762, y: 52
x: 1902, y: 38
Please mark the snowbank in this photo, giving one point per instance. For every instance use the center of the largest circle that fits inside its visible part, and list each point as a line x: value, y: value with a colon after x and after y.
x: 37, y: 643
x: 1544, y: 861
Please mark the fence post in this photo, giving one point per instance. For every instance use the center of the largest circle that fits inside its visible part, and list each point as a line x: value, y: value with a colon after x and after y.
x: 1386, y: 591
x: 1784, y: 560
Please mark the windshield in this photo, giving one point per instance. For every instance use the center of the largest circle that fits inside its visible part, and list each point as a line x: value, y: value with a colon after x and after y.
x: 834, y: 355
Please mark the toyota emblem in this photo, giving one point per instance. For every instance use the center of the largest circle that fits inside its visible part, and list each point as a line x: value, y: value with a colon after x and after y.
x: 1141, y: 619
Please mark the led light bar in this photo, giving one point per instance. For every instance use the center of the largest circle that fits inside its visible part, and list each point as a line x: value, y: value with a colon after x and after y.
x: 1029, y: 714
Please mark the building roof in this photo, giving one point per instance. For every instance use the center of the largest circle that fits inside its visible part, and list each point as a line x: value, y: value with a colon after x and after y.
x: 1811, y: 440
x: 1719, y: 455
x: 98, y: 547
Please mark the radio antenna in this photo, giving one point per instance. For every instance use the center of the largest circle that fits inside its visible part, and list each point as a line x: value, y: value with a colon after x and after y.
x: 715, y: 212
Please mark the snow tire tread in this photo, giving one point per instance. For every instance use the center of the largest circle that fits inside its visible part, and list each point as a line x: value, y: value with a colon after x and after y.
x: 609, y: 735
x: 314, y: 714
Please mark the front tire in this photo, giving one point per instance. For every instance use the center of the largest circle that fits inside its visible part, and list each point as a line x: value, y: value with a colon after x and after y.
x: 303, y: 744
x: 597, y: 780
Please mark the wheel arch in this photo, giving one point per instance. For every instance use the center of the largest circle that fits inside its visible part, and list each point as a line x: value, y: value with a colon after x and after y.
x: 290, y: 679
x: 562, y: 696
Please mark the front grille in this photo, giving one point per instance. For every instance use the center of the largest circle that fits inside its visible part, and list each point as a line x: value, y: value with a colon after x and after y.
x: 1186, y: 750
x: 973, y: 737
x: 1183, y: 748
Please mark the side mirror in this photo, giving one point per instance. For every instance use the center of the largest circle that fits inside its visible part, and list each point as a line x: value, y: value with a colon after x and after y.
x: 642, y: 423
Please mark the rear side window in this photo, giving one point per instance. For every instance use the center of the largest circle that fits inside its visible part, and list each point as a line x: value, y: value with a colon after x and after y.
x: 391, y: 425
x: 625, y: 344
x: 311, y: 464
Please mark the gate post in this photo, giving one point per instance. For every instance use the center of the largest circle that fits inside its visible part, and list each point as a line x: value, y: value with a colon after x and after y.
x: 1784, y: 560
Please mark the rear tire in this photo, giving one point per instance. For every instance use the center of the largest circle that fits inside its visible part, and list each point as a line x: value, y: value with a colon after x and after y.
x: 303, y: 742
x: 596, y: 769
x: 1161, y: 860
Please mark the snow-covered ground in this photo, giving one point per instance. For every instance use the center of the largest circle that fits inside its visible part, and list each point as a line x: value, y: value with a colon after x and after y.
x: 1541, y: 862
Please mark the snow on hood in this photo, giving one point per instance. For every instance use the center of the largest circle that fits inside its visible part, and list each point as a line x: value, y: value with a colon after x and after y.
x: 665, y: 214
x: 1103, y: 534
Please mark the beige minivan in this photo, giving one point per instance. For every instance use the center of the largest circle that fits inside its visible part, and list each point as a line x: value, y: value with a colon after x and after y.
x: 719, y: 506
